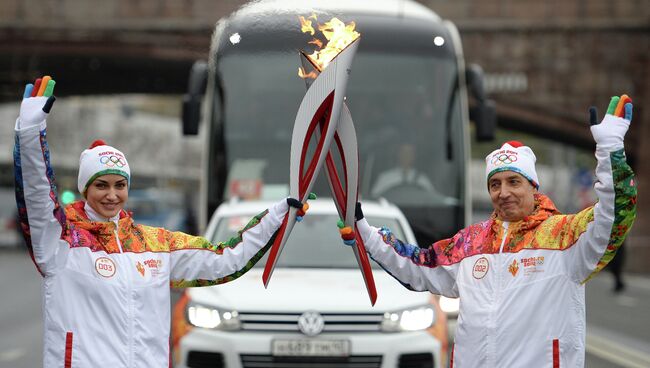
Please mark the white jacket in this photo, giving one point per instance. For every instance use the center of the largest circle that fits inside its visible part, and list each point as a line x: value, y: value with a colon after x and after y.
x: 106, y: 288
x: 521, y: 285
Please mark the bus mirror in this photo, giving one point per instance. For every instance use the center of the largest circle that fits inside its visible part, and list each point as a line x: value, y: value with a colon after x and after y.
x: 474, y: 77
x: 484, y: 112
x: 191, y: 115
x: 485, y: 120
x: 197, y: 82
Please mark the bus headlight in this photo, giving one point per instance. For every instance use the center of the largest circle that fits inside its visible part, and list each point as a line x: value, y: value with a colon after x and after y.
x: 211, y: 317
x: 412, y: 319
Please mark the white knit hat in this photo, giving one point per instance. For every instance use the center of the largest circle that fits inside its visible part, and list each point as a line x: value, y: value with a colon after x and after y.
x: 512, y: 156
x: 100, y: 159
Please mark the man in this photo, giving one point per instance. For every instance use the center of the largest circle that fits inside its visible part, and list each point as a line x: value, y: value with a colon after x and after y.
x: 404, y: 174
x: 520, y: 274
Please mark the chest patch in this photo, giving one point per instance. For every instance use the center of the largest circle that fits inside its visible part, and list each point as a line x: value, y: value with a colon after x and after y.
x: 154, y: 267
x: 533, y: 265
x: 513, y: 268
x: 480, y: 268
x: 105, y: 266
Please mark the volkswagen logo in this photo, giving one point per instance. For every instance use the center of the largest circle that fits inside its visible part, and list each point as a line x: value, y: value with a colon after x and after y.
x: 311, y: 323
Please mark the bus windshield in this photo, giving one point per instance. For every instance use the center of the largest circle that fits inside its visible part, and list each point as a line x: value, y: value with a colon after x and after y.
x: 406, y: 111
x: 400, y: 105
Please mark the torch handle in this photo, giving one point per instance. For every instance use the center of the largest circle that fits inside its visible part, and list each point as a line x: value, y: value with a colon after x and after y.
x: 364, y: 264
x: 278, y: 243
x: 347, y: 199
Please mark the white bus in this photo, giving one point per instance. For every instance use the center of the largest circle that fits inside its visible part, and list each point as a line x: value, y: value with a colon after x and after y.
x: 407, y: 93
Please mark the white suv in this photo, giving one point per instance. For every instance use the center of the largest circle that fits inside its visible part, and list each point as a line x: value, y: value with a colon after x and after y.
x: 316, y: 311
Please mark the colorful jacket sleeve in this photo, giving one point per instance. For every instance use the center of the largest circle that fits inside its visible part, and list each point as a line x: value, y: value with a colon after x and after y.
x: 606, y: 224
x: 42, y: 219
x: 197, y: 262
x: 416, y: 268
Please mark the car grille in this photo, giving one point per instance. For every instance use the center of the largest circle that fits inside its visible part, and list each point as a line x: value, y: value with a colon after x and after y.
x: 288, y: 322
x: 269, y: 361
x: 201, y: 359
x: 423, y: 360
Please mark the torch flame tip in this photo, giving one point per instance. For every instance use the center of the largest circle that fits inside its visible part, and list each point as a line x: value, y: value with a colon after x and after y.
x: 338, y: 35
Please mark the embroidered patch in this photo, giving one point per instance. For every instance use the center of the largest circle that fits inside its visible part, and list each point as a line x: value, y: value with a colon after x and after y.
x: 513, y: 268
x: 481, y: 267
x: 532, y: 265
x: 140, y: 268
x: 105, y: 267
x: 154, y: 265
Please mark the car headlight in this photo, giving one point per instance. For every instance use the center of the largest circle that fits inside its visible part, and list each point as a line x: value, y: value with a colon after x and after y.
x: 449, y: 305
x: 210, y: 317
x: 412, y: 319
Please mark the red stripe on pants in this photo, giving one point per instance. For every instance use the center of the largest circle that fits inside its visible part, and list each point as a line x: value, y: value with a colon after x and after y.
x: 68, y: 350
x: 451, y: 362
x: 556, y: 353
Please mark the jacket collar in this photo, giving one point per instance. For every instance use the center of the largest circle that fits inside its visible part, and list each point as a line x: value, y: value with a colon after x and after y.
x: 76, y: 213
x: 544, y: 208
x: 96, y: 217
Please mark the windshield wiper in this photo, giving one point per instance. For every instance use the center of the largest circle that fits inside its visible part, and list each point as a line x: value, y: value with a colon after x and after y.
x: 450, y: 104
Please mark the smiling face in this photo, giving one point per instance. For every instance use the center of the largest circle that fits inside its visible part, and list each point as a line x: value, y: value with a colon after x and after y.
x: 513, y: 196
x: 108, y: 194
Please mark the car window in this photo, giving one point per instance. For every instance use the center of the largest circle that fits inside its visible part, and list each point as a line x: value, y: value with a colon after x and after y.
x: 158, y: 208
x: 314, y: 243
x: 8, y: 202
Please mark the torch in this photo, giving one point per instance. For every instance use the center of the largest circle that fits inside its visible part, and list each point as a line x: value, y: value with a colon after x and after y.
x: 324, y: 115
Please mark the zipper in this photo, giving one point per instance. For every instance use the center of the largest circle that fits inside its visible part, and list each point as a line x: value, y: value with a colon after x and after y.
x: 505, y: 235
x: 117, y: 238
x: 499, y: 281
x: 130, y: 311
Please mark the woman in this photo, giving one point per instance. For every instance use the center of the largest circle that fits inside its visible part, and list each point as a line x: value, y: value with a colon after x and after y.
x: 106, y: 280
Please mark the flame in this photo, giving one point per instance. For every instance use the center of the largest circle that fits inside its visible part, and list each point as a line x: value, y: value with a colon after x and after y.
x: 338, y: 35
x: 316, y: 42
x: 305, y: 24
x: 303, y: 75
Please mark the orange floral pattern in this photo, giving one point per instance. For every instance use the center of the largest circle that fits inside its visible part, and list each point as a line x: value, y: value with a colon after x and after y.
x: 82, y: 232
x: 545, y: 228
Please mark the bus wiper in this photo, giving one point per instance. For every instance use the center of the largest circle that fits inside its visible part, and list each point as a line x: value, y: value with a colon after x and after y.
x: 450, y: 104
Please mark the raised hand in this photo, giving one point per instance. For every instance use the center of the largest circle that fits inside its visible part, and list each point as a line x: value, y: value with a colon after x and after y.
x: 37, y: 101
x: 611, y: 131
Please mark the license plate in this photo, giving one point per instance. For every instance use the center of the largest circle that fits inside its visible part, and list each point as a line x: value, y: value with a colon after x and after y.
x: 310, y: 347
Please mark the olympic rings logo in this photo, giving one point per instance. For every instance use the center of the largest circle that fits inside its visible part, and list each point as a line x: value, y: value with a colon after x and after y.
x: 503, y: 159
x: 112, y: 161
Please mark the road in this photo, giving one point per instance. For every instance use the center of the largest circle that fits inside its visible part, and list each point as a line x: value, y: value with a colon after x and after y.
x: 618, y: 327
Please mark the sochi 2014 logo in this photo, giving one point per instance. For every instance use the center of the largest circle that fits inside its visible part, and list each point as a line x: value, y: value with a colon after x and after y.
x: 513, y: 268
